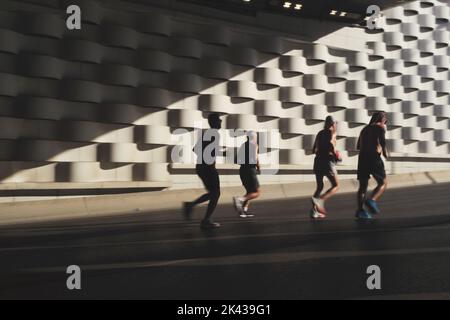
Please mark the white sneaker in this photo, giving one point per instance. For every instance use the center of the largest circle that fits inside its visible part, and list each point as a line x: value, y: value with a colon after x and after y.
x: 316, y: 215
x: 238, y: 205
x: 319, y: 204
x: 245, y: 215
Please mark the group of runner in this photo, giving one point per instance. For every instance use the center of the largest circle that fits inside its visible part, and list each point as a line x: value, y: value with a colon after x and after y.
x: 371, y: 146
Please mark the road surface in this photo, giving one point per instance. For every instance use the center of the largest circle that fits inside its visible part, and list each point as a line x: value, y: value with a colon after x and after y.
x: 280, y: 254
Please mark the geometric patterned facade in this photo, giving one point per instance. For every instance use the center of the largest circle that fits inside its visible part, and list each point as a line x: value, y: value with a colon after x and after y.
x: 102, y: 104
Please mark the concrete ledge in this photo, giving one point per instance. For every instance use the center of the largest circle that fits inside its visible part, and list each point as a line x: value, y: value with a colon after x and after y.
x: 82, y: 185
x: 25, y: 192
x: 96, y: 206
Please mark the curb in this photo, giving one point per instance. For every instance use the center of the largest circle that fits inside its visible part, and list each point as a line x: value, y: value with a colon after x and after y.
x: 110, y: 205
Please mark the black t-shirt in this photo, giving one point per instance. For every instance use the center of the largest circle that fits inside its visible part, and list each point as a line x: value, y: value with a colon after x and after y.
x: 247, y: 154
x: 324, y: 147
x: 206, y: 147
x: 373, y: 137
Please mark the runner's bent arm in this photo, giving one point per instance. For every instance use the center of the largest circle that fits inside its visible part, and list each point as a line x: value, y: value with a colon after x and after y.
x: 382, y: 140
x: 359, y: 144
x: 258, y: 167
x: 333, y: 144
x: 315, y: 150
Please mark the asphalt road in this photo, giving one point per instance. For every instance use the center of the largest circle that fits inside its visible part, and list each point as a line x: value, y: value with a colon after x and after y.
x: 280, y: 254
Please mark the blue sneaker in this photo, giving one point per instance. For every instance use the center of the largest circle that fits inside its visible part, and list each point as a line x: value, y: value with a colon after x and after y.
x: 363, y: 215
x: 372, y: 206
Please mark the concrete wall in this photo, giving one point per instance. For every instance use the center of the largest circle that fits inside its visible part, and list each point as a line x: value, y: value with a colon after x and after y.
x: 101, y: 104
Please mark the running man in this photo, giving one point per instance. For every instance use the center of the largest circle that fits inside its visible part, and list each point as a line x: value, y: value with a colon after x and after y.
x: 206, y: 149
x: 371, y: 145
x: 249, y: 160
x: 325, y: 166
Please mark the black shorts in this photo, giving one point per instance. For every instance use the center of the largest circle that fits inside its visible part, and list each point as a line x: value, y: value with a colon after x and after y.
x: 210, y: 178
x: 371, y: 166
x: 249, y: 178
x: 325, y: 167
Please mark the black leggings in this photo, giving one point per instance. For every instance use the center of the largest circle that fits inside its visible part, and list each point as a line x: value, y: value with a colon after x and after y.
x: 210, y: 178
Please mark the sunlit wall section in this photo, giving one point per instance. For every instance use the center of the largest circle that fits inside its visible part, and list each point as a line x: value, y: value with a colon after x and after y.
x: 105, y: 104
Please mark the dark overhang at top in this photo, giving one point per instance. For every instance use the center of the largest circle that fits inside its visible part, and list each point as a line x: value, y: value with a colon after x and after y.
x: 349, y: 11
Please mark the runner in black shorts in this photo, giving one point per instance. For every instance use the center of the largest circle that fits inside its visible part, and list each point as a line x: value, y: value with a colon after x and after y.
x: 206, y: 150
x: 249, y: 160
x: 325, y: 166
x: 371, y: 145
